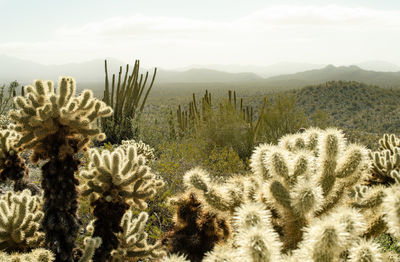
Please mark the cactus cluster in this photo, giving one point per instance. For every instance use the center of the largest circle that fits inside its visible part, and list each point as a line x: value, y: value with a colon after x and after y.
x: 302, y: 202
x: 114, y: 182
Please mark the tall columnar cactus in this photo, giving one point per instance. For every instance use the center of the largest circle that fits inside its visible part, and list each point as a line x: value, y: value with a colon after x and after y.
x: 127, y: 97
x: 20, y: 218
x: 56, y: 125
x: 114, y: 182
x: 197, y: 230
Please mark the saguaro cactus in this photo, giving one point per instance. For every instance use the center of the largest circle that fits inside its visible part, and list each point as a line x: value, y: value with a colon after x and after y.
x: 114, y: 182
x: 56, y: 125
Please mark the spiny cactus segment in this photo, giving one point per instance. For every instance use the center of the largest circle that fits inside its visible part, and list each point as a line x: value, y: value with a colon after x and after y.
x: 133, y: 240
x: 44, y: 116
x: 20, y: 218
x: 36, y: 255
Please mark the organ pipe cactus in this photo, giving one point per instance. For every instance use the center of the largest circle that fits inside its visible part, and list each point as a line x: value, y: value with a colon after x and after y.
x: 20, y: 218
x: 56, y: 125
x: 114, y: 182
x: 127, y: 97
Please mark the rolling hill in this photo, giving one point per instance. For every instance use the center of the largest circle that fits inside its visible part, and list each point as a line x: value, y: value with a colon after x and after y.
x: 353, y: 105
x: 332, y: 73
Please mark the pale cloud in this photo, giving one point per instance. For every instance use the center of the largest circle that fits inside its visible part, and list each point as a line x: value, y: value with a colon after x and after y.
x: 331, y: 34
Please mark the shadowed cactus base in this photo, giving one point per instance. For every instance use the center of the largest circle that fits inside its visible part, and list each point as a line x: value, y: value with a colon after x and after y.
x: 196, y: 231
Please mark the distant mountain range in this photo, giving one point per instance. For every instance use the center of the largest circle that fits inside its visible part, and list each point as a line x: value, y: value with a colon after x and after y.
x: 284, y: 74
x: 330, y: 72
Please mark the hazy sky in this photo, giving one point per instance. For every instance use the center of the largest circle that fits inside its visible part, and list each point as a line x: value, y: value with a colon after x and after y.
x: 177, y: 33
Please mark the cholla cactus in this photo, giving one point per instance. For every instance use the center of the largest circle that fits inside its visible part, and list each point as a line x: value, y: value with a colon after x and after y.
x: 20, y: 217
x: 36, y: 255
x: 141, y: 149
x: 386, y: 162
x: 133, y: 240
x: 114, y: 182
x: 12, y: 166
x: 196, y: 229
x: 90, y: 246
x: 5, y: 122
x: 303, y: 202
x: 174, y: 258
x: 223, y: 197
x: 56, y: 126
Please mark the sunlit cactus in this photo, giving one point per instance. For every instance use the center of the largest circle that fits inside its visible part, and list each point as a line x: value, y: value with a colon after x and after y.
x: 386, y: 162
x: 56, y: 125
x: 227, y: 196
x: 365, y: 251
x: 223, y: 253
x: 133, y: 240
x: 174, y: 258
x: 36, y: 255
x: 141, y: 149
x: 255, y: 238
x: 391, y: 207
x: 91, y: 244
x: 20, y: 217
x: 324, y: 241
x: 43, y: 113
x: 115, y: 181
